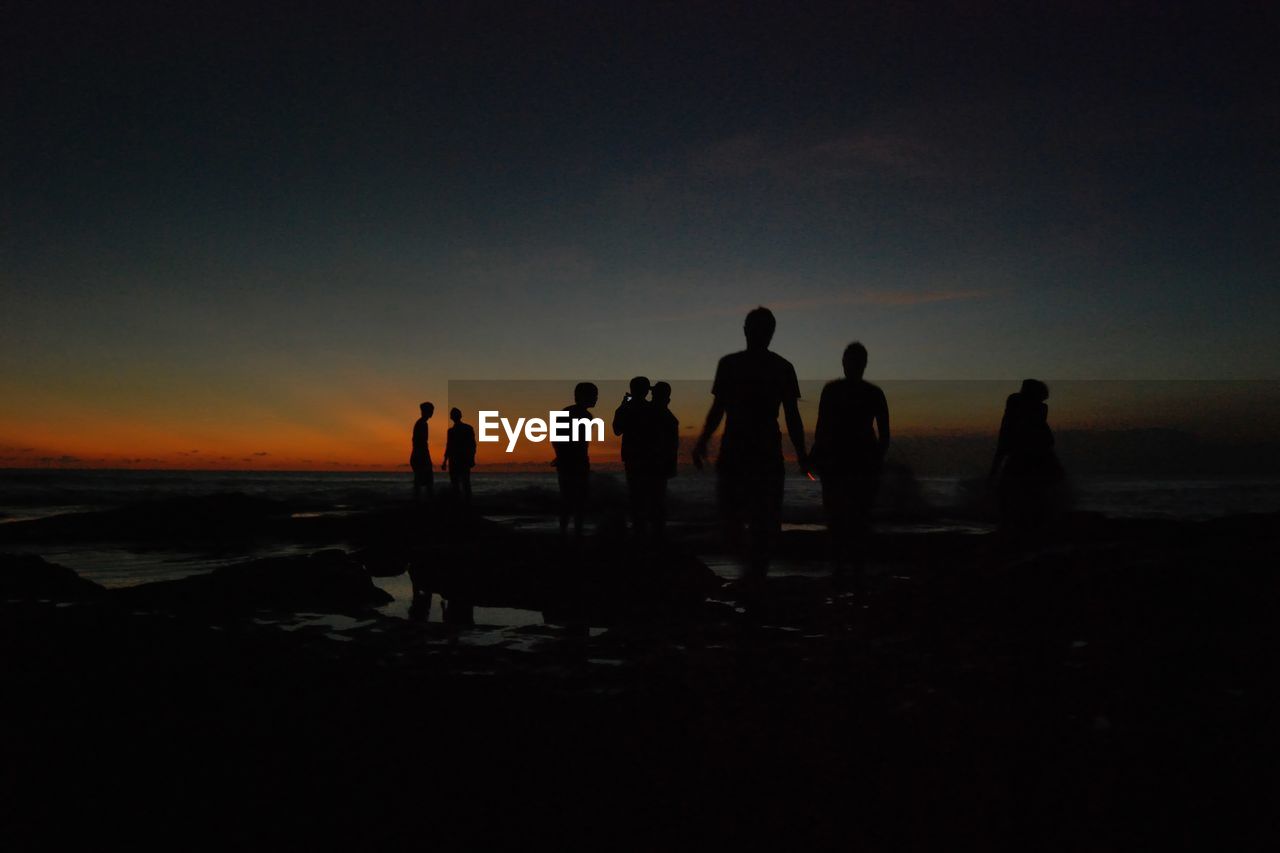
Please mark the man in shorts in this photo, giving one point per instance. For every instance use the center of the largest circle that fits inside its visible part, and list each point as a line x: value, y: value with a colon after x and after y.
x: 749, y: 388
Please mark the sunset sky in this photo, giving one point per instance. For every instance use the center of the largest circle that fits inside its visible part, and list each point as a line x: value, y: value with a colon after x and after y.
x: 258, y: 236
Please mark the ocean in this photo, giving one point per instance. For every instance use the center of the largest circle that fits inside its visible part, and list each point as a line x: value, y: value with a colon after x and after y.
x: 36, y: 493
x: 528, y: 500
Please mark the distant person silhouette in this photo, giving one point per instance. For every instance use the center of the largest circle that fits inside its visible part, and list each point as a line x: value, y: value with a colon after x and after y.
x: 749, y: 388
x: 1025, y: 470
x: 459, y: 456
x: 633, y: 420
x: 664, y: 455
x: 849, y: 445
x: 420, y: 458
x: 573, y: 463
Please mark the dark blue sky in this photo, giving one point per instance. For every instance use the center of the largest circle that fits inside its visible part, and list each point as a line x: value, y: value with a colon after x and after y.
x: 215, y: 215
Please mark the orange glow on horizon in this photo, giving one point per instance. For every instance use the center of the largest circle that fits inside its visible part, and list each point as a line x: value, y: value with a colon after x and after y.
x: 372, y: 433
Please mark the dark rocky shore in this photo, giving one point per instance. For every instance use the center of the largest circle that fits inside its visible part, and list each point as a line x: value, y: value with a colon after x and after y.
x: 1110, y: 688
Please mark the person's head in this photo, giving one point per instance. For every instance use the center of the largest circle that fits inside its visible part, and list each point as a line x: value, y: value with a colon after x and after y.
x: 640, y: 387
x: 427, y: 409
x: 455, y: 415
x: 586, y: 394
x: 855, y: 360
x: 662, y: 393
x: 1036, y: 390
x: 759, y: 327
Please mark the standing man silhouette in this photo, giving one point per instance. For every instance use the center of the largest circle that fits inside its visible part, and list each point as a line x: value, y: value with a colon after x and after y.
x: 849, y: 445
x: 420, y: 458
x: 459, y: 456
x: 749, y: 388
x: 573, y: 464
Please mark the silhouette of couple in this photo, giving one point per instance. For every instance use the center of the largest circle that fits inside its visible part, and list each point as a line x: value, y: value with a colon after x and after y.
x: 650, y: 445
x: 459, y: 456
x: 851, y: 438
x: 1025, y: 471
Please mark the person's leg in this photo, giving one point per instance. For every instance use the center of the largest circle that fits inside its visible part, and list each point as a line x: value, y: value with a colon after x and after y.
x: 574, y: 487
x: 466, y: 486
x: 863, y: 498
x: 729, y: 497
x: 765, y: 487
x: 658, y: 507
x: 562, y: 480
x: 578, y: 509
x: 635, y: 503
x: 833, y: 505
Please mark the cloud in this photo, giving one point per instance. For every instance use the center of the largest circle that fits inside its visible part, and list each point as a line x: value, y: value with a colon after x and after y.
x: 889, y: 298
x: 866, y: 297
x: 850, y: 156
x: 64, y: 459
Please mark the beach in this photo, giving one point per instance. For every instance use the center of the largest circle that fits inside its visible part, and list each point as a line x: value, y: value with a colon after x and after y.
x: 1107, y: 687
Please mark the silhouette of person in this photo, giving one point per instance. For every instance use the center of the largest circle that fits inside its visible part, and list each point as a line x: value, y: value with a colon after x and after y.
x: 573, y: 463
x: 749, y: 388
x: 633, y: 421
x: 1025, y: 468
x: 459, y: 456
x: 666, y: 449
x: 420, y: 458
x: 849, y: 445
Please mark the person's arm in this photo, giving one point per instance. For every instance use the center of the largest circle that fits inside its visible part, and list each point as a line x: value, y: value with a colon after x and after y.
x: 619, y: 419
x: 882, y: 426
x: 1002, y: 443
x: 714, y: 415
x: 671, y: 452
x: 795, y: 429
x: 448, y: 443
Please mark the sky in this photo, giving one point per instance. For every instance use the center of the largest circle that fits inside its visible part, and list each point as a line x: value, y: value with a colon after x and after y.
x: 249, y: 236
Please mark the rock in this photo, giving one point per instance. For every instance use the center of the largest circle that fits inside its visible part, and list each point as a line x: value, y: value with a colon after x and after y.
x: 29, y: 576
x: 383, y: 561
x: 327, y: 581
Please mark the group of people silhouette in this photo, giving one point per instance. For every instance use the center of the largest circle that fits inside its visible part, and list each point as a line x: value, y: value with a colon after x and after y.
x: 751, y: 387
